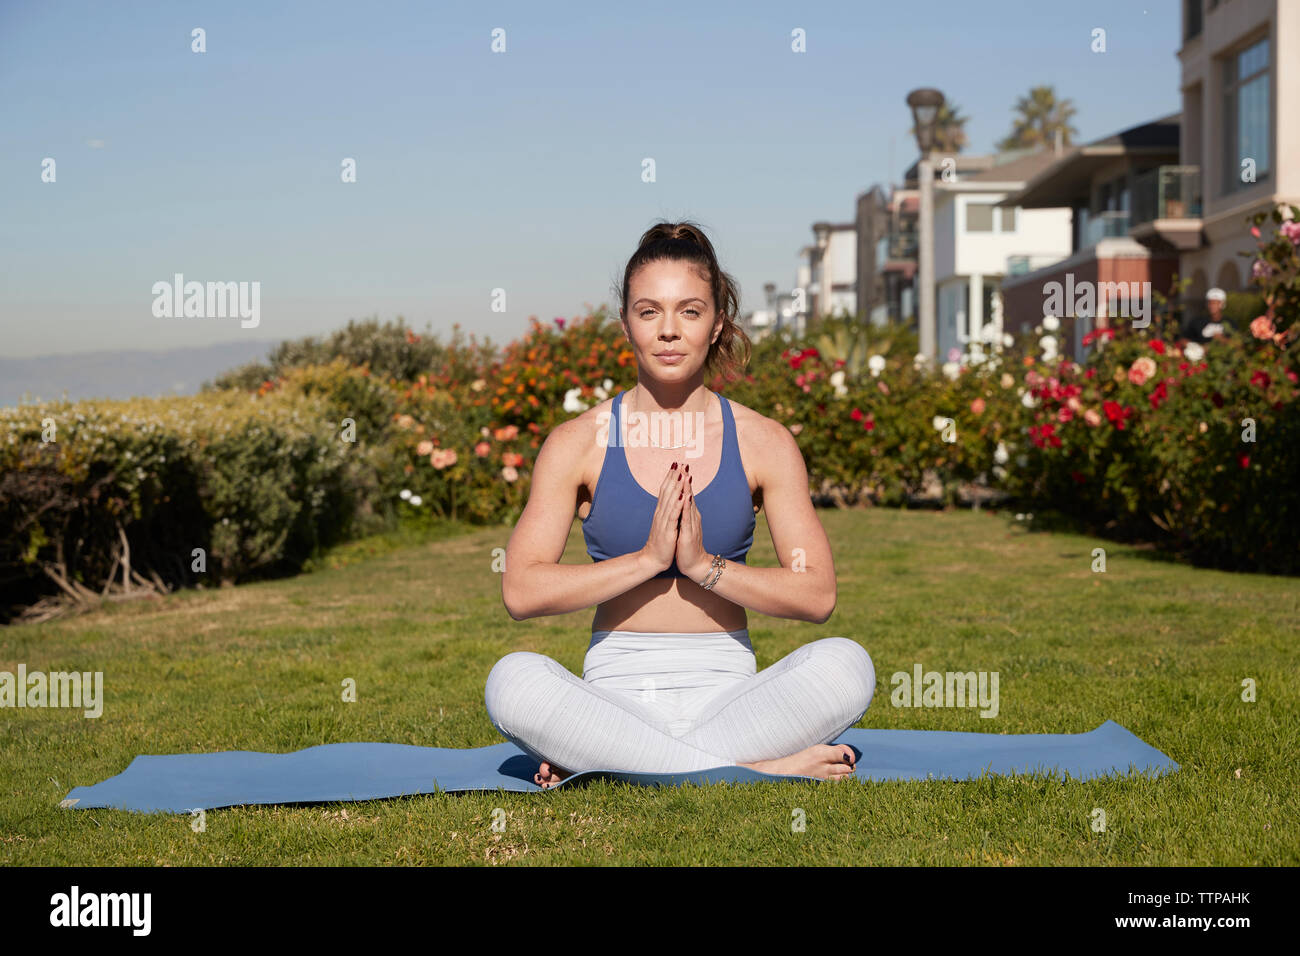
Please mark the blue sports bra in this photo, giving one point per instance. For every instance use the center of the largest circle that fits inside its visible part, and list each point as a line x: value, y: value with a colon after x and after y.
x: 619, y: 520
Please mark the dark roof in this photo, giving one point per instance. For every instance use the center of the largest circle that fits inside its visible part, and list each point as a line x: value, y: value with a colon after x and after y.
x: 1068, y: 179
x: 1017, y: 170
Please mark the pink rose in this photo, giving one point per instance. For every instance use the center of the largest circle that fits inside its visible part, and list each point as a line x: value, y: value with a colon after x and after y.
x: 1092, y: 417
x: 1064, y: 414
x: 512, y: 459
x: 977, y: 406
x: 1291, y: 230
x: 1262, y: 327
x: 1141, y: 370
x: 424, y: 448
x: 482, y: 449
x: 509, y: 474
x: 1261, y: 269
x: 443, y: 458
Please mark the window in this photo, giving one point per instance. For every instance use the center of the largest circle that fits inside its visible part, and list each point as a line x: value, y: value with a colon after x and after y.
x: 1007, y: 218
x: 1247, y: 125
x: 1192, y: 18
x: 979, y: 217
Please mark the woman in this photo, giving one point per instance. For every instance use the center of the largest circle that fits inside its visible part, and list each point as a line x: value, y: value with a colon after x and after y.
x: 670, y: 682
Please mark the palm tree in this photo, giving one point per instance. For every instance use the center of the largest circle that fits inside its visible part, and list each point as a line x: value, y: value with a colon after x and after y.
x: 1041, y: 117
x: 949, y: 129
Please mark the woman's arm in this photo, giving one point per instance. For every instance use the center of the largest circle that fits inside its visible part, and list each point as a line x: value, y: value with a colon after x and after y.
x: 803, y: 588
x: 534, y: 583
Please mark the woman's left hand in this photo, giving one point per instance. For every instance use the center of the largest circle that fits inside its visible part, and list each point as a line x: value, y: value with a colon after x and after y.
x: 692, y: 560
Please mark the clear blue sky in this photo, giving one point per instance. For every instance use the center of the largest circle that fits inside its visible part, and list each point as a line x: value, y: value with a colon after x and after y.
x: 478, y: 170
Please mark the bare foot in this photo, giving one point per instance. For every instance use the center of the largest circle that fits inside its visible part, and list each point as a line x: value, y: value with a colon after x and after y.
x: 825, y: 761
x: 548, y: 775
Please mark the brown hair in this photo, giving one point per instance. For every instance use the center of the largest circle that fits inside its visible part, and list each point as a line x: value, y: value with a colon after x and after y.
x: 686, y: 242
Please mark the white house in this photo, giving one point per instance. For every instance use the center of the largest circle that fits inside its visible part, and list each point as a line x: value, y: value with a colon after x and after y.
x: 976, y: 243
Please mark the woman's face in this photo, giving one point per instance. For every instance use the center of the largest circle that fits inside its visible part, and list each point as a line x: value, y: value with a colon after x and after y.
x: 670, y: 319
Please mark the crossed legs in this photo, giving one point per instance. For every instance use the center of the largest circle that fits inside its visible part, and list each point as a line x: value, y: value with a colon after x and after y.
x: 788, y: 710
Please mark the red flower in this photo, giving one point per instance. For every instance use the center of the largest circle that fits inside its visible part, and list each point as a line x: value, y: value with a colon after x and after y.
x: 1244, y: 460
x: 856, y: 414
x: 810, y: 353
x: 559, y: 323
x: 1158, y: 395
x: 1159, y: 346
x: 1089, y: 373
x: 869, y: 424
x: 1116, y: 413
x: 1291, y: 375
x: 1261, y: 379
x: 1078, y: 476
x: 1217, y: 399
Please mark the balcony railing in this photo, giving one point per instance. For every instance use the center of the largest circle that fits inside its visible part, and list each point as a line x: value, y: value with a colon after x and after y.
x: 1023, y: 265
x: 1167, y: 192
x: 1105, y: 225
x: 902, y: 245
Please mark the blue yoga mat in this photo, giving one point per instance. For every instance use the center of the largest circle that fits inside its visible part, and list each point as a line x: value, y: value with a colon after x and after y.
x: 180, y: 783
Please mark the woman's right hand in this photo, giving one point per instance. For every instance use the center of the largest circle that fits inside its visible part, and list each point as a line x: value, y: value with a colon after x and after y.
x: 661, y: 545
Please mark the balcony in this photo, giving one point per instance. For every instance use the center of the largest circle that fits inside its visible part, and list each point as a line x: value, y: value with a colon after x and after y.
x: 1167, y: 206
x: 894, y: 248
x: 1023, y: 265
x: 1112, y: 224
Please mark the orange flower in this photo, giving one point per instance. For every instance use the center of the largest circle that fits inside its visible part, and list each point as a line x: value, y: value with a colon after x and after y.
x: 512, y: 458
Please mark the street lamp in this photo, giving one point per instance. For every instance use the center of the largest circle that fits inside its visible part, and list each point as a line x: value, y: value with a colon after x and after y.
x: 822, y: 230
x: 925, y: 104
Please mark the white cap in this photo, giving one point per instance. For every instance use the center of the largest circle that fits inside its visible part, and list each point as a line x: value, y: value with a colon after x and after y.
x: 1216, y: 295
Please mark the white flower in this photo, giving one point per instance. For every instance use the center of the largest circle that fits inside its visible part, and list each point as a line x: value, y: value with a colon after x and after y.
x: 405, y: 494
x: 1000, y: 455
x: 1194, y: 352
x: 1047, y: 343
x: 1008, y: 340
x: 1211, y: 330
x: 938, y: 422
x: 602, y: 390
x: 951, y: 369
x: 573, y: 402
x: 417, y: 500
x: 1029, y: 401
x: 1051, y: 323
x: 837, y: 379
x: 876, y: 363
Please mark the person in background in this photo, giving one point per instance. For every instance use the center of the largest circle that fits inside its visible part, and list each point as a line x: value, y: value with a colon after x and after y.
x: 1214, y: 301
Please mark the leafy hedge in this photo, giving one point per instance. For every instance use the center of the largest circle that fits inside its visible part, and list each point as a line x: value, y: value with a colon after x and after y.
x: 259, y: 483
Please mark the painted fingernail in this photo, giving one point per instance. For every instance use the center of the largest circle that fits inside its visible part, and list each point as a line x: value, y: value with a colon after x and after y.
x: 674, y: 464
x: 679, y: 494
x: 688, y: 467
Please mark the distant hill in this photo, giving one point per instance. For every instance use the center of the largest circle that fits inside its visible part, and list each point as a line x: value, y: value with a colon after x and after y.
x: 123, y: 374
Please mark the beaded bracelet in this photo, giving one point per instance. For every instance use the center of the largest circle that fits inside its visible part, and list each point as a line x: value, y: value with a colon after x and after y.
x: 717, y: 559
x: 720, y: 563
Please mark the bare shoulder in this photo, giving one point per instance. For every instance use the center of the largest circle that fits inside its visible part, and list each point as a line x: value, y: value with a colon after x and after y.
x: 767, y: 446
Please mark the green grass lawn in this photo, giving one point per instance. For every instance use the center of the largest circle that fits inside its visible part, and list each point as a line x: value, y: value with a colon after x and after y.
x: 1158, y: 647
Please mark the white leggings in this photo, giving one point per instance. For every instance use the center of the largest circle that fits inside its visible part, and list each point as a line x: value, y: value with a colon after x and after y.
x: 669, y: 703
